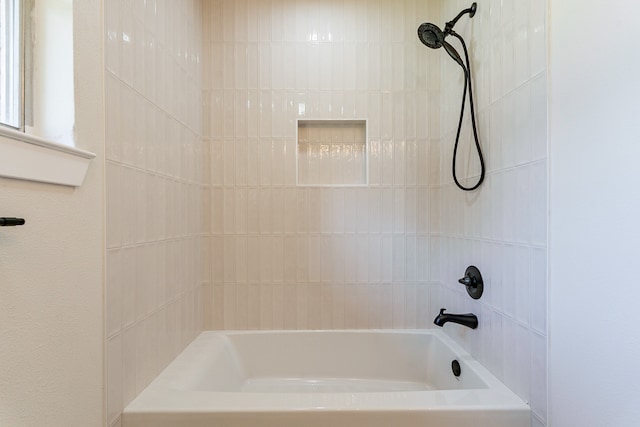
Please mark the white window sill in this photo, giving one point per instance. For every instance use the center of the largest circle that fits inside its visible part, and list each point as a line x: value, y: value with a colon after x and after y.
x: 31, y: 158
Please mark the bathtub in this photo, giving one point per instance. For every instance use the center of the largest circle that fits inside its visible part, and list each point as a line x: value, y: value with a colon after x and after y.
x: 325, y: 378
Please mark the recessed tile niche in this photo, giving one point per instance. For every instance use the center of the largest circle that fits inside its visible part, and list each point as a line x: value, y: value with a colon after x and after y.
x: 332, y: 153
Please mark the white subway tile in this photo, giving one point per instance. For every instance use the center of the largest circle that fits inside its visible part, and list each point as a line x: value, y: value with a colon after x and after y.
x: 129, y: 372
x: 242, y: 306
x: 229, y: 211
x: 509, y: 283
x: 278, y: 259
x: 139, y: 221
x: 523, y: 210
x: 314, y: 306
x: 410, y: 305
x: 113, y: 39
x: 508, y: 131
x: 523, y: 355
x: 509, y: 360
x: 113, y: 115
x: 509, y: 196
x: 114, y: 378
x: 326, y: 303
x: 326, y: 259
x: 277, y: 162
x: 539, y: 116
x: 339, y: 306
x: 241, y: 114
x: 114, y: 292
x: 522, y: 45
x: 423, y: 319
x: 278, y: 306
x: 411, y: 259
x: 523, y: 129
x: 115, y: 205
x: 127, y: 41
x: 523, y: 285
x: 386, y: 310
x: 128, y: 265
x: 229, y: 259
x: 241, y: 260
x: 538, y: 371
x: 387, y: 260
x: 302, y: 305
x: 290, y: 259
x: 230, y: 306
x: 538, y: 292
x: 253, y: 254
x: 140, y: 65
x: 289, y: 306
x: 386, y: 217
x: 537, y: 37
x: 253, y: 155
x: 290, y: 160
x: 240, y: 211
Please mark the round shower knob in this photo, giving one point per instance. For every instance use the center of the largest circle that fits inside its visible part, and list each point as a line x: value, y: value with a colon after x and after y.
x: 473, y: 281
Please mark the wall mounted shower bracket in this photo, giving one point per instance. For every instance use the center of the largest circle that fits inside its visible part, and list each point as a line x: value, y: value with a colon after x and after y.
x: 473, y: 281
x: 471, y: 11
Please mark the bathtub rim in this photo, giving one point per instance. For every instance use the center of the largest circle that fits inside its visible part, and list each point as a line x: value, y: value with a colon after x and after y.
x: 159, y: 397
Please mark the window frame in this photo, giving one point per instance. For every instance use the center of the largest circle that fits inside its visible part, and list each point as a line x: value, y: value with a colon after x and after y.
x: 18, y: 68
x: 25, y: 156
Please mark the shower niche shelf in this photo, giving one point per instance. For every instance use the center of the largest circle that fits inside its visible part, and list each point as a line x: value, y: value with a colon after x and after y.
x: 332, y: 153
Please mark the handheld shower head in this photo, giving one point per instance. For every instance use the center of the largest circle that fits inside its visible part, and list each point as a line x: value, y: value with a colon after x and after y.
x: 432, y: 36
x: 453, y: 53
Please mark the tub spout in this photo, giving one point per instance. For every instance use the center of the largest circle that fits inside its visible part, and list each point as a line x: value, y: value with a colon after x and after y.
x: 469, y: 320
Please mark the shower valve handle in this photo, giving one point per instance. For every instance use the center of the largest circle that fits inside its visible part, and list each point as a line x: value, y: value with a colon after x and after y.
x: 468, y: 281
x: 472, y: 280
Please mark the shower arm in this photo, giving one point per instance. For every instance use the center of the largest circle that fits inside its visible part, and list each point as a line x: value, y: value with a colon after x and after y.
x: 471, y: 11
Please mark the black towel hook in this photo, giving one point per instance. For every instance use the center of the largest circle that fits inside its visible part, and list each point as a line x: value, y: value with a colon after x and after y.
x: 11, y: 222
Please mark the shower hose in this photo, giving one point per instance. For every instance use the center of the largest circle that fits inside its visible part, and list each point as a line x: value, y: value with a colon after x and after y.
x: 467, y: 84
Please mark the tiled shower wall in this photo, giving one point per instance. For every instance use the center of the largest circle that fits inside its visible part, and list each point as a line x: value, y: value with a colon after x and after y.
x: 502, y: 228
x: 155, y: 231
x: 293, y: 257
x: 282, y: 256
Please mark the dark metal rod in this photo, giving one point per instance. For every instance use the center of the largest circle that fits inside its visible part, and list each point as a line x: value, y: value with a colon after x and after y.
x: 11, y: 222
x: 471, y: 11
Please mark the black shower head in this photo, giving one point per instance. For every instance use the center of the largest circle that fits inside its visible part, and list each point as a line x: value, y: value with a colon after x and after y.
x: 432, y: 36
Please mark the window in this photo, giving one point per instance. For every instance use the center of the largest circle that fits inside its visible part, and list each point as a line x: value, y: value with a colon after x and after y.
x: 11, y: 106
x: 36, y: 68
x: 37, y: 111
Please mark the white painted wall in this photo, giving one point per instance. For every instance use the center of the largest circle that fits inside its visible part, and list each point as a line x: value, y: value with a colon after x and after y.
x: 595, y: 205
x: 51, y: 321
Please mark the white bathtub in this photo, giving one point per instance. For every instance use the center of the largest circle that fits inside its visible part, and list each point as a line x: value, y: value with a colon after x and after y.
x: 325, y: 378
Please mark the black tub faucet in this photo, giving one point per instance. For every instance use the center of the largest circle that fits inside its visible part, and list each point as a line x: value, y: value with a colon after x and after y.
x: 469, y: 320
